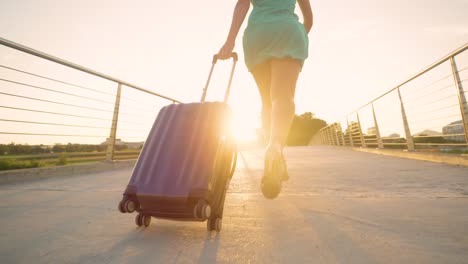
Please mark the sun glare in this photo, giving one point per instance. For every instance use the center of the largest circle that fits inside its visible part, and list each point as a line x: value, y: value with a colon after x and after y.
x: 243, y: 129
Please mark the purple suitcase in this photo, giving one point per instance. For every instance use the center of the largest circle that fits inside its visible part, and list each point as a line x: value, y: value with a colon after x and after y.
x: 186, y: 164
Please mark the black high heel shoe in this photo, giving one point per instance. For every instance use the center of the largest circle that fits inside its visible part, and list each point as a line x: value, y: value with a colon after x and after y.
x: 273, y: 175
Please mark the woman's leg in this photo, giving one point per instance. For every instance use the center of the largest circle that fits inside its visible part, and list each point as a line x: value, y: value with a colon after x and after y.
x: 262, y: 76
x: 284, y: 75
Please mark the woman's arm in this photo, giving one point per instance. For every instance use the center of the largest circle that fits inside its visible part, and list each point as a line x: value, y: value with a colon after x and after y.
x: 240, y: 11
x: 307, y: 14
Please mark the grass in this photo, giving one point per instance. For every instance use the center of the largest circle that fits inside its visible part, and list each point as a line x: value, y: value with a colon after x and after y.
x: 13, y: 162
x: 455, y: 151
x: 14, y: 165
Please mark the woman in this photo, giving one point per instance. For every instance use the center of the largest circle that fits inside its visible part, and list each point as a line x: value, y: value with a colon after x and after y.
x: 275, y: 47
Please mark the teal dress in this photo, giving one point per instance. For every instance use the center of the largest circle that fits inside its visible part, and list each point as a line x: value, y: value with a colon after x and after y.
x: 274, y: 31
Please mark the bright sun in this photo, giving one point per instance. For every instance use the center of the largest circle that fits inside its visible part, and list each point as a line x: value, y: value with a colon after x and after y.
x: 244, y: 129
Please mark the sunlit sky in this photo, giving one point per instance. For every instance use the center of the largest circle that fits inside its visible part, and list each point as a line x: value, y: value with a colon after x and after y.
x: 358, y: 49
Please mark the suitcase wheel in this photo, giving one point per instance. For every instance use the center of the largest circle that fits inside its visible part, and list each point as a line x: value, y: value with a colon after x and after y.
x: 202, y: 210
x: 129, y: 206
x: 142, y: 219
x: 146, y: 220
x: 214, y: 224
x: 138, y: 220
x: 121, y: 207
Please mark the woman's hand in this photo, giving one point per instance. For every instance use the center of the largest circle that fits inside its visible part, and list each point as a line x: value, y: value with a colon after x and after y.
x: 226, y: 50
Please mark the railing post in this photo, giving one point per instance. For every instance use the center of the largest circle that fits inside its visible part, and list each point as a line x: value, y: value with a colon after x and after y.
x: 113, y: 132
x: 341, y: 135
x: 377, y: 131
x: 335, y: 134
x: 409, y: 138
x: 461, y: 97
x: 363, y: 142
x: 350, y: 133
x: 325, y: 136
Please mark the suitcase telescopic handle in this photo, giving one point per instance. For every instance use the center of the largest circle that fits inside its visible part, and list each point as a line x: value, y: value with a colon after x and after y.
x: 233, y: 56
x: 228, y: 90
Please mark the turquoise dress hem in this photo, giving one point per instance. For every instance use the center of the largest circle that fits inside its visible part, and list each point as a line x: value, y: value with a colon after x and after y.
x: 274, y: 31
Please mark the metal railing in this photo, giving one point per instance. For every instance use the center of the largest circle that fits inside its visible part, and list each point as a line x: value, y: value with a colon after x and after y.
x: 429, y: 111
x: 34, y: 105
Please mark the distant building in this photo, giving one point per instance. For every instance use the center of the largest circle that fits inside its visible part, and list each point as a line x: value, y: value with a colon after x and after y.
x: 371, y: 131
x: 454, y: 128
x: 427, y: 132
x: 353, y: 128
x: 119, y: 142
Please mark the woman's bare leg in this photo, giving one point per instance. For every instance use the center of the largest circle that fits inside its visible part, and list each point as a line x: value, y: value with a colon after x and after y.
x: 284, y: 75
x: 262, y: 76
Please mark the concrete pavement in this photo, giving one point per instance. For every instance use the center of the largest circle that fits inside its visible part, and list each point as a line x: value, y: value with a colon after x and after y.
x: 339, y: 206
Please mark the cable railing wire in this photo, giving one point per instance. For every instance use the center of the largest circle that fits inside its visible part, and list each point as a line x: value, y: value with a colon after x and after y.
x: 54, y: 113
x: 414, y: 104
x: 141, y: 138
x: 55, y: 80
x: 427, y: 69
x: 440, y: 144
x: 69, y: 115
x: 57, y: 135
x: 66, y: 104
x: 64, y: 125
x: 46, y: 134
x: 462, y: 70
x: 418, y: 122
x: 55, y: 91
x: 139, y: 110
x: 150, y: 106
x: 130, y: 99
x: 407, y: 98
x: 433, y: 127
x: 436, y: 118
x: 71, y: 84
x: 431, y: 111
x: 55, y: 102
x: 435, y: 136
x: 413, y: 91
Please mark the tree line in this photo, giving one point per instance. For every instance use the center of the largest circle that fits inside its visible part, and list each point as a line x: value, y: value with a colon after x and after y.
x: 303, y: 128
x: 19, y: 149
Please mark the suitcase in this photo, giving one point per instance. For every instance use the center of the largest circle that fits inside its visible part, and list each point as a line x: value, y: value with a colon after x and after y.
x: 186, y: 163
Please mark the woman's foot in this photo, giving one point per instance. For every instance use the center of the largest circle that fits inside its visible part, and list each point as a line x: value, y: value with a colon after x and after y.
x: 274, y: 172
